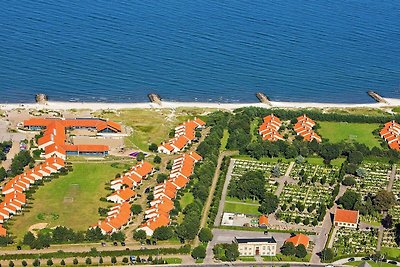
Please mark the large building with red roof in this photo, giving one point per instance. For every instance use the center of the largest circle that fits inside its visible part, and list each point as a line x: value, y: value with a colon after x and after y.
x: 346, y: 218
x: 53, y: 141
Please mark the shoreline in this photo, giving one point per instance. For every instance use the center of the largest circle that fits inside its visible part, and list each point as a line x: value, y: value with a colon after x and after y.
x: 64, y: 105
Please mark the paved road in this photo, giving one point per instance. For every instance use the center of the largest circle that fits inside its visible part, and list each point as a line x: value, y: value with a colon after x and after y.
x: 228, y: 178
x: 346, y: 260
x: 389, y: 189
x: 283, y: 179
x: 326, y: 227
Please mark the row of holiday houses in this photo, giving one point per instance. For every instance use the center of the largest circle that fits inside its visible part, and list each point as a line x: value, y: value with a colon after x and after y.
x: 120, y: 214
x: 269, y: 129
x: 184, y: 135
x: 158, y: 214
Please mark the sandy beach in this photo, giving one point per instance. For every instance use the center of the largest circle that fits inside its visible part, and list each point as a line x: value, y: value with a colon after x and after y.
x: 55, y: 105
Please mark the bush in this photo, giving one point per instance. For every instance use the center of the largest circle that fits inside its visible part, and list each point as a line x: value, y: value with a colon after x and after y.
x: 349, y: 181
x: 199, y: 252
x: 205, y: 235
x: 157, y: 159
x: 75, y: 261
x: 125, y: 260
x: 113, y: 260
x: 49, y: 262
x: 88, y: 261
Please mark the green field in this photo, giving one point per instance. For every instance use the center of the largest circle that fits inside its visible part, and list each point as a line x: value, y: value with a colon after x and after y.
x: 393, y: 253
x: 241, y: 208
x: 186, y: 199
x: 372, y: 263
x: 71, y: 200
x: 343, y: 131
x: 224, y: 140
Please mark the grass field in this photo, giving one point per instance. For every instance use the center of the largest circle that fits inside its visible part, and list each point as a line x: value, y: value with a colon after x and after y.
x: 71, y: 200
x: 241, y: 208
x: 343, y: 131
x: 186, y: 199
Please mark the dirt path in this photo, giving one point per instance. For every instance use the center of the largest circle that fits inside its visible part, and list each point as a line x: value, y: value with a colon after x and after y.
x: 283, y: 180
x: 206, y: 208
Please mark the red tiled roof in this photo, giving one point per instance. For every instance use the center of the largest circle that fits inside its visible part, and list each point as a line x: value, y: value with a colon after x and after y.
x: 3, y: 231
x: 346, y: 216
x: 263, y: 220
x: 299, y: 239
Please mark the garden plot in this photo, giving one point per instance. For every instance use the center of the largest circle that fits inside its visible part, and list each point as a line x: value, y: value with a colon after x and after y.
x: 352, y: 241
x: 307, y: 196
x: 318, y: 172
x: 377, y: 178
x: 243, y: 166
x: 396, y: 185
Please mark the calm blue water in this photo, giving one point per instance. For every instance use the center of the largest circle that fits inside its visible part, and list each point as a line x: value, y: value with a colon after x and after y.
x: 328, y: 51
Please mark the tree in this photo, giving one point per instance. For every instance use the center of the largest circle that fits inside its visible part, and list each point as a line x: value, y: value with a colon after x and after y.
x: 125, y: 260
x: 349, y: 181
x: 329, y: 152
x: 62, y: 262
x: 75, y: 261
x: 250, y: 185
x: 139, y: 235
x: 288, y: 249
x: 355, y: 157
x: 163, y: 233
x: 140, y: 156
x: 199, y: 252
x: 232, y: 252
x: 11, y: 264
x: 153, y: 147
x: 157, y: 159
x: 205, y: 235
x: 88, y: 261
x: 161, y: 177
x: 349, y: 199
x: 118, y: 236
x: 3, y: 174
x: 327, y: 255
x: 383, y: 200
x: 269, y: 204
x: 29, y: 239
x: 113, y: 260
x: 387, y: 222
x: 24, y: 263
x: 36, y: 262
x: 301, y: 251
x: 101, y: 260
x: 49, y: 262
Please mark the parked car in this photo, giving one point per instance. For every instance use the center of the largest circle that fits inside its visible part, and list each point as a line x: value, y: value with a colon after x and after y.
x: 393, y: 262
x: 19, y: 247
x: 384, y: 260
x: 365, y: 258
x: 266, y: 232
x: 103, y: 244
x: 351, y: 259
x: 123, y: 244
x: 115, y: 243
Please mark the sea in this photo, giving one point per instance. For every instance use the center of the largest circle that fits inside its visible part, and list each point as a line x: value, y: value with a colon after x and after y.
x: 205, y: 50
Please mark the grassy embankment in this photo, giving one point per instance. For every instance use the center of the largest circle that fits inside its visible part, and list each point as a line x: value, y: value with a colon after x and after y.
x: 151, y: 125
x: 72, y: 200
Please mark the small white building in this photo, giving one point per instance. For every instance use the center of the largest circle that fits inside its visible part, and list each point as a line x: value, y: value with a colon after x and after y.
x: 263, y: 246
x: 346, y: 218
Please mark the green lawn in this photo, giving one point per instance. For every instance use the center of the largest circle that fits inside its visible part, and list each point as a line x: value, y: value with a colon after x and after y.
x: 224, y: 140
x: 235, y: 199
x: 280, y: 257
x: 372, y: 263
x: 320, y: 161
x: 241, y: 208
x: 391, y: 252
x: 247, y: 259
x: 343, y: 131
x: 173, y: 260
x: 71, y: 200
x: 254, y: 129
x: 186, y: 199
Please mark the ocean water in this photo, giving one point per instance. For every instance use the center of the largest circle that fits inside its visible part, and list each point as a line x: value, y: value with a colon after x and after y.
x: 225, y: 51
